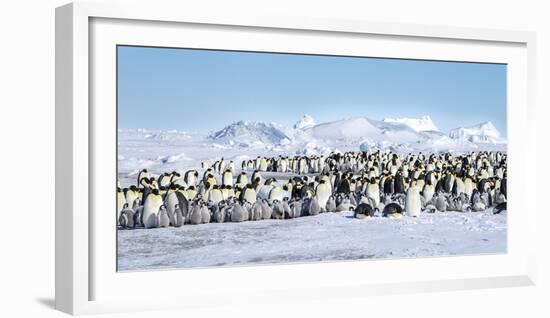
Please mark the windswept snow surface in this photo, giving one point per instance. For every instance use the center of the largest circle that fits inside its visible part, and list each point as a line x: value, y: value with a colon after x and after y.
x: 325, y: 237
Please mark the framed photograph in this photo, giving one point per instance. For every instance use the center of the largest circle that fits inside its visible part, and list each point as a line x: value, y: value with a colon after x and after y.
x: 214, y: 157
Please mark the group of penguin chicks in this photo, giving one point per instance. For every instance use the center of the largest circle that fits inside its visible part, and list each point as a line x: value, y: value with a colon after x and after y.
x: 374, y: 184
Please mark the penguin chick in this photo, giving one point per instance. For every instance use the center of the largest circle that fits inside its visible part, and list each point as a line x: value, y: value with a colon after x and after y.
x: 126, y: 219
x: 314, y: 207
x: 163, y: 219
x: 331, y: 204
x: 441, y: 203
x: 178, y: 216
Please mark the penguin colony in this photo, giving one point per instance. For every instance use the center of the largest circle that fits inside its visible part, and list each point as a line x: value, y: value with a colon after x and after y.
x: 384, y: 184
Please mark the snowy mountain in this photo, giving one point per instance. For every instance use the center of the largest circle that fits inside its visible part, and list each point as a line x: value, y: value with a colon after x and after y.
x: 361, y: 128
x: 248, y: 133
x: 423, y: 123
x: 482, y: 133
x: 306, y: 122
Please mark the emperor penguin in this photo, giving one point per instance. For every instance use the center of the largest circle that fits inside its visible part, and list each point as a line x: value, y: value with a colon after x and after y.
x: 151, y: 208
x: 469, y: 186
x: 248, y: 194
x: 178, y: 219
x: 165, y: 179
x: 255, y: 176
x: 163, y: 219
x: 141, y: 175
x: 138, y: 216
x: 191, y: 177
x: 170, y: 201
x: 331, y: 204
x: 263, y: 164
x: 314, y: 207
x: 428, y: 191
x: 296, y: 207
x: 215, y: 195
x: 441, y: 203
x: 276, y: 193
x: 211, y: 180
x: 267, y: 211
x: 413, y: 204
x: 205, y: 214
x: 392, y: 210
x: 458, y: 187
x: 218, y: 212
x: 120, y: 201
x: 398, y: 183
x: 238, y: 213
x: 278, y: 210
x: 195, y: 216
x: 126, y: 219
x: 362, y: 211
x: 191, y: 193
x: 322, y: 193
x: 263, y: 191
x: 286, y: 207
x: 242, y: 179
x: 373, y: 192
x: 131, y: 194
x: 227, y: 177
x: 256, y: 211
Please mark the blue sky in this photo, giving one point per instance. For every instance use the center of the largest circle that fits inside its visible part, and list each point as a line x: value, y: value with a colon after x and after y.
x: 204, y: 90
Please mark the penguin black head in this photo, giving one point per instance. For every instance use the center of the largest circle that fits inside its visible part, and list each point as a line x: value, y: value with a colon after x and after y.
x: 155, y: 191
x: 173, y: 187
x: 144, y: 170
x: 191, y: 188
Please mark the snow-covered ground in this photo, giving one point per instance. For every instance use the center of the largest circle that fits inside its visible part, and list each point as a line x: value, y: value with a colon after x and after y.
x: 325, y: 237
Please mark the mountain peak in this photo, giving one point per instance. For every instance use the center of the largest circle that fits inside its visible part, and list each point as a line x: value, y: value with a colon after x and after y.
x: 250, y: 133
x: 306, y: 122
x: 423, y: 123
x: 484, y: 132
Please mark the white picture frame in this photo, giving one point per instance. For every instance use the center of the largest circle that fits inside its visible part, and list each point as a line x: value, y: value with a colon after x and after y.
x: 86, y: 280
